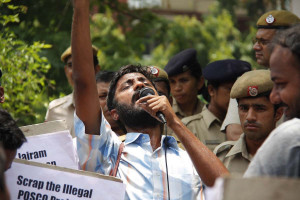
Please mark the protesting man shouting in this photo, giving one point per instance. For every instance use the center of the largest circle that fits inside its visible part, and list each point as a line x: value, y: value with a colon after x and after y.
x: 142, y: 165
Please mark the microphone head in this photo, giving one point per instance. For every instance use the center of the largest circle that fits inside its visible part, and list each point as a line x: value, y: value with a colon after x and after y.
x: 146, y: 91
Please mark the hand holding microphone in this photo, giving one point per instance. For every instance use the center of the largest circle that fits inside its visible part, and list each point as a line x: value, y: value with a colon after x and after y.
x: 148, y: 91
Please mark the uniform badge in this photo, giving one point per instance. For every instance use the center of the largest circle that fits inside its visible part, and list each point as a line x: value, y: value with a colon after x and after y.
x: 154, y: 71
x: 270, y: 19
x: 252, y: 91
x: 185, y: 68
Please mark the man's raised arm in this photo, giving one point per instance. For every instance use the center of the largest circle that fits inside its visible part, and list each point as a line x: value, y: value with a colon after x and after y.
x: 85, y: 89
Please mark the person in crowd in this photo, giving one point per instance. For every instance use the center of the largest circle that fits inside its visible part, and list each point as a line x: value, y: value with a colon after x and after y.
x: 4, y: 194
x: 103, y: 79
x: 280, y: 153
x: 1, y: 89
x: 141, y: 164
x: 269, y: 24
x: 11, y: 137
x: 186, y: 81
x: 220, y: 76
x: 161, y: 81
x: 258, y: 118
x: 63, y: 108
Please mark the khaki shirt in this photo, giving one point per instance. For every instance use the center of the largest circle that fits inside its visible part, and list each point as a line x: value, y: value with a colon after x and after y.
x: 206, y: 127
x: 234, y: 155
x: 180, y: 114
x: 62, y: 109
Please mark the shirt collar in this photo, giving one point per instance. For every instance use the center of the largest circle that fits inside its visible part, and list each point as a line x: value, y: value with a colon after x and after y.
x: 144, y: 138
x: 240, y: 147
x: 209, y: 117
x: 180, y: 113
x: 170, y: 141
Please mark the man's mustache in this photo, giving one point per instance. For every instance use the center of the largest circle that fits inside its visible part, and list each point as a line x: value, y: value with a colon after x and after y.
x: 247, y: 123
x: 135, y: 96
x: 282, y: 104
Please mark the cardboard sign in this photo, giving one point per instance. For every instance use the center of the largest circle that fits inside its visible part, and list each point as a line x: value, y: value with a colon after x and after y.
x: 49, y: 143
x: 258, y: 188
x: 35, y: 181
x: 46, y: 127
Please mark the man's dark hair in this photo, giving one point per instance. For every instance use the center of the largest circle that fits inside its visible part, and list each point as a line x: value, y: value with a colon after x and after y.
x: 10, y: 134
x: 290, y: 39
x: 111, y: 103
x: 215, y: 85
x: 104, y: 76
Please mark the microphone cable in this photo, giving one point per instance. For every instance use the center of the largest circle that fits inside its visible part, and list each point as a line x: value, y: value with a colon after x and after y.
x: 166, y: 160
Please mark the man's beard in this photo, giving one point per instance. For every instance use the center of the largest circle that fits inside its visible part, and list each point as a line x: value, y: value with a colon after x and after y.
x: 135, y: 117
x: 294, y: 109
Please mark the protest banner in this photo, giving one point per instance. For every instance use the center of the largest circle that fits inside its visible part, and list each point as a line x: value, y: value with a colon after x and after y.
x: 49, y: 143
x: 27, y: 180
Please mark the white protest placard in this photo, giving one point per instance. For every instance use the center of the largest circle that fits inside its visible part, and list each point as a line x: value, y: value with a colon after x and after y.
x: 49, y: 143
x: 35, y: 181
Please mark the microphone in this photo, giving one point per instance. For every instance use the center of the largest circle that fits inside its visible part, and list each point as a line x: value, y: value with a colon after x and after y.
x: 145, y: 91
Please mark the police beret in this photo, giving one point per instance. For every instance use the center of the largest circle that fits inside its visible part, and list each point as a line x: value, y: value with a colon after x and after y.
x: 252, y: 84
x: 225, y: 70
x: 277, y: 19
x: 157, y: 72
x: 182, y: 62
x: 68, y: 52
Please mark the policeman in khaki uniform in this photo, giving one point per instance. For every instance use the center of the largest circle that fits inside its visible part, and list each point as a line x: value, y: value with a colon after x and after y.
x: 220, y: 76
x: 63, y: 108
x: 269, y: 24
x: 186, y: 81
x: 258, y: 117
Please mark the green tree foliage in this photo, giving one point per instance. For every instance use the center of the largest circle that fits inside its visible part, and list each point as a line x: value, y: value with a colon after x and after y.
x: 123, y: 36
x: 114, y: 50
x: 125, y: 41
x: 49, y: 22
x: 24, y: 72
x: 214, y: 38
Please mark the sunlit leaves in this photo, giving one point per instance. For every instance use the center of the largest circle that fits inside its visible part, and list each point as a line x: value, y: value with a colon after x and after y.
x: 24, y: 72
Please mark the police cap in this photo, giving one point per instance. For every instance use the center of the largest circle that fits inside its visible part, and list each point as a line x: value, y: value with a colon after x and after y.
x: 225, y: 70
x: 251, y: 84
x: 182, y: 62
x: 68, y: 52
x: 157, y: 72
x: 277, y: 19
